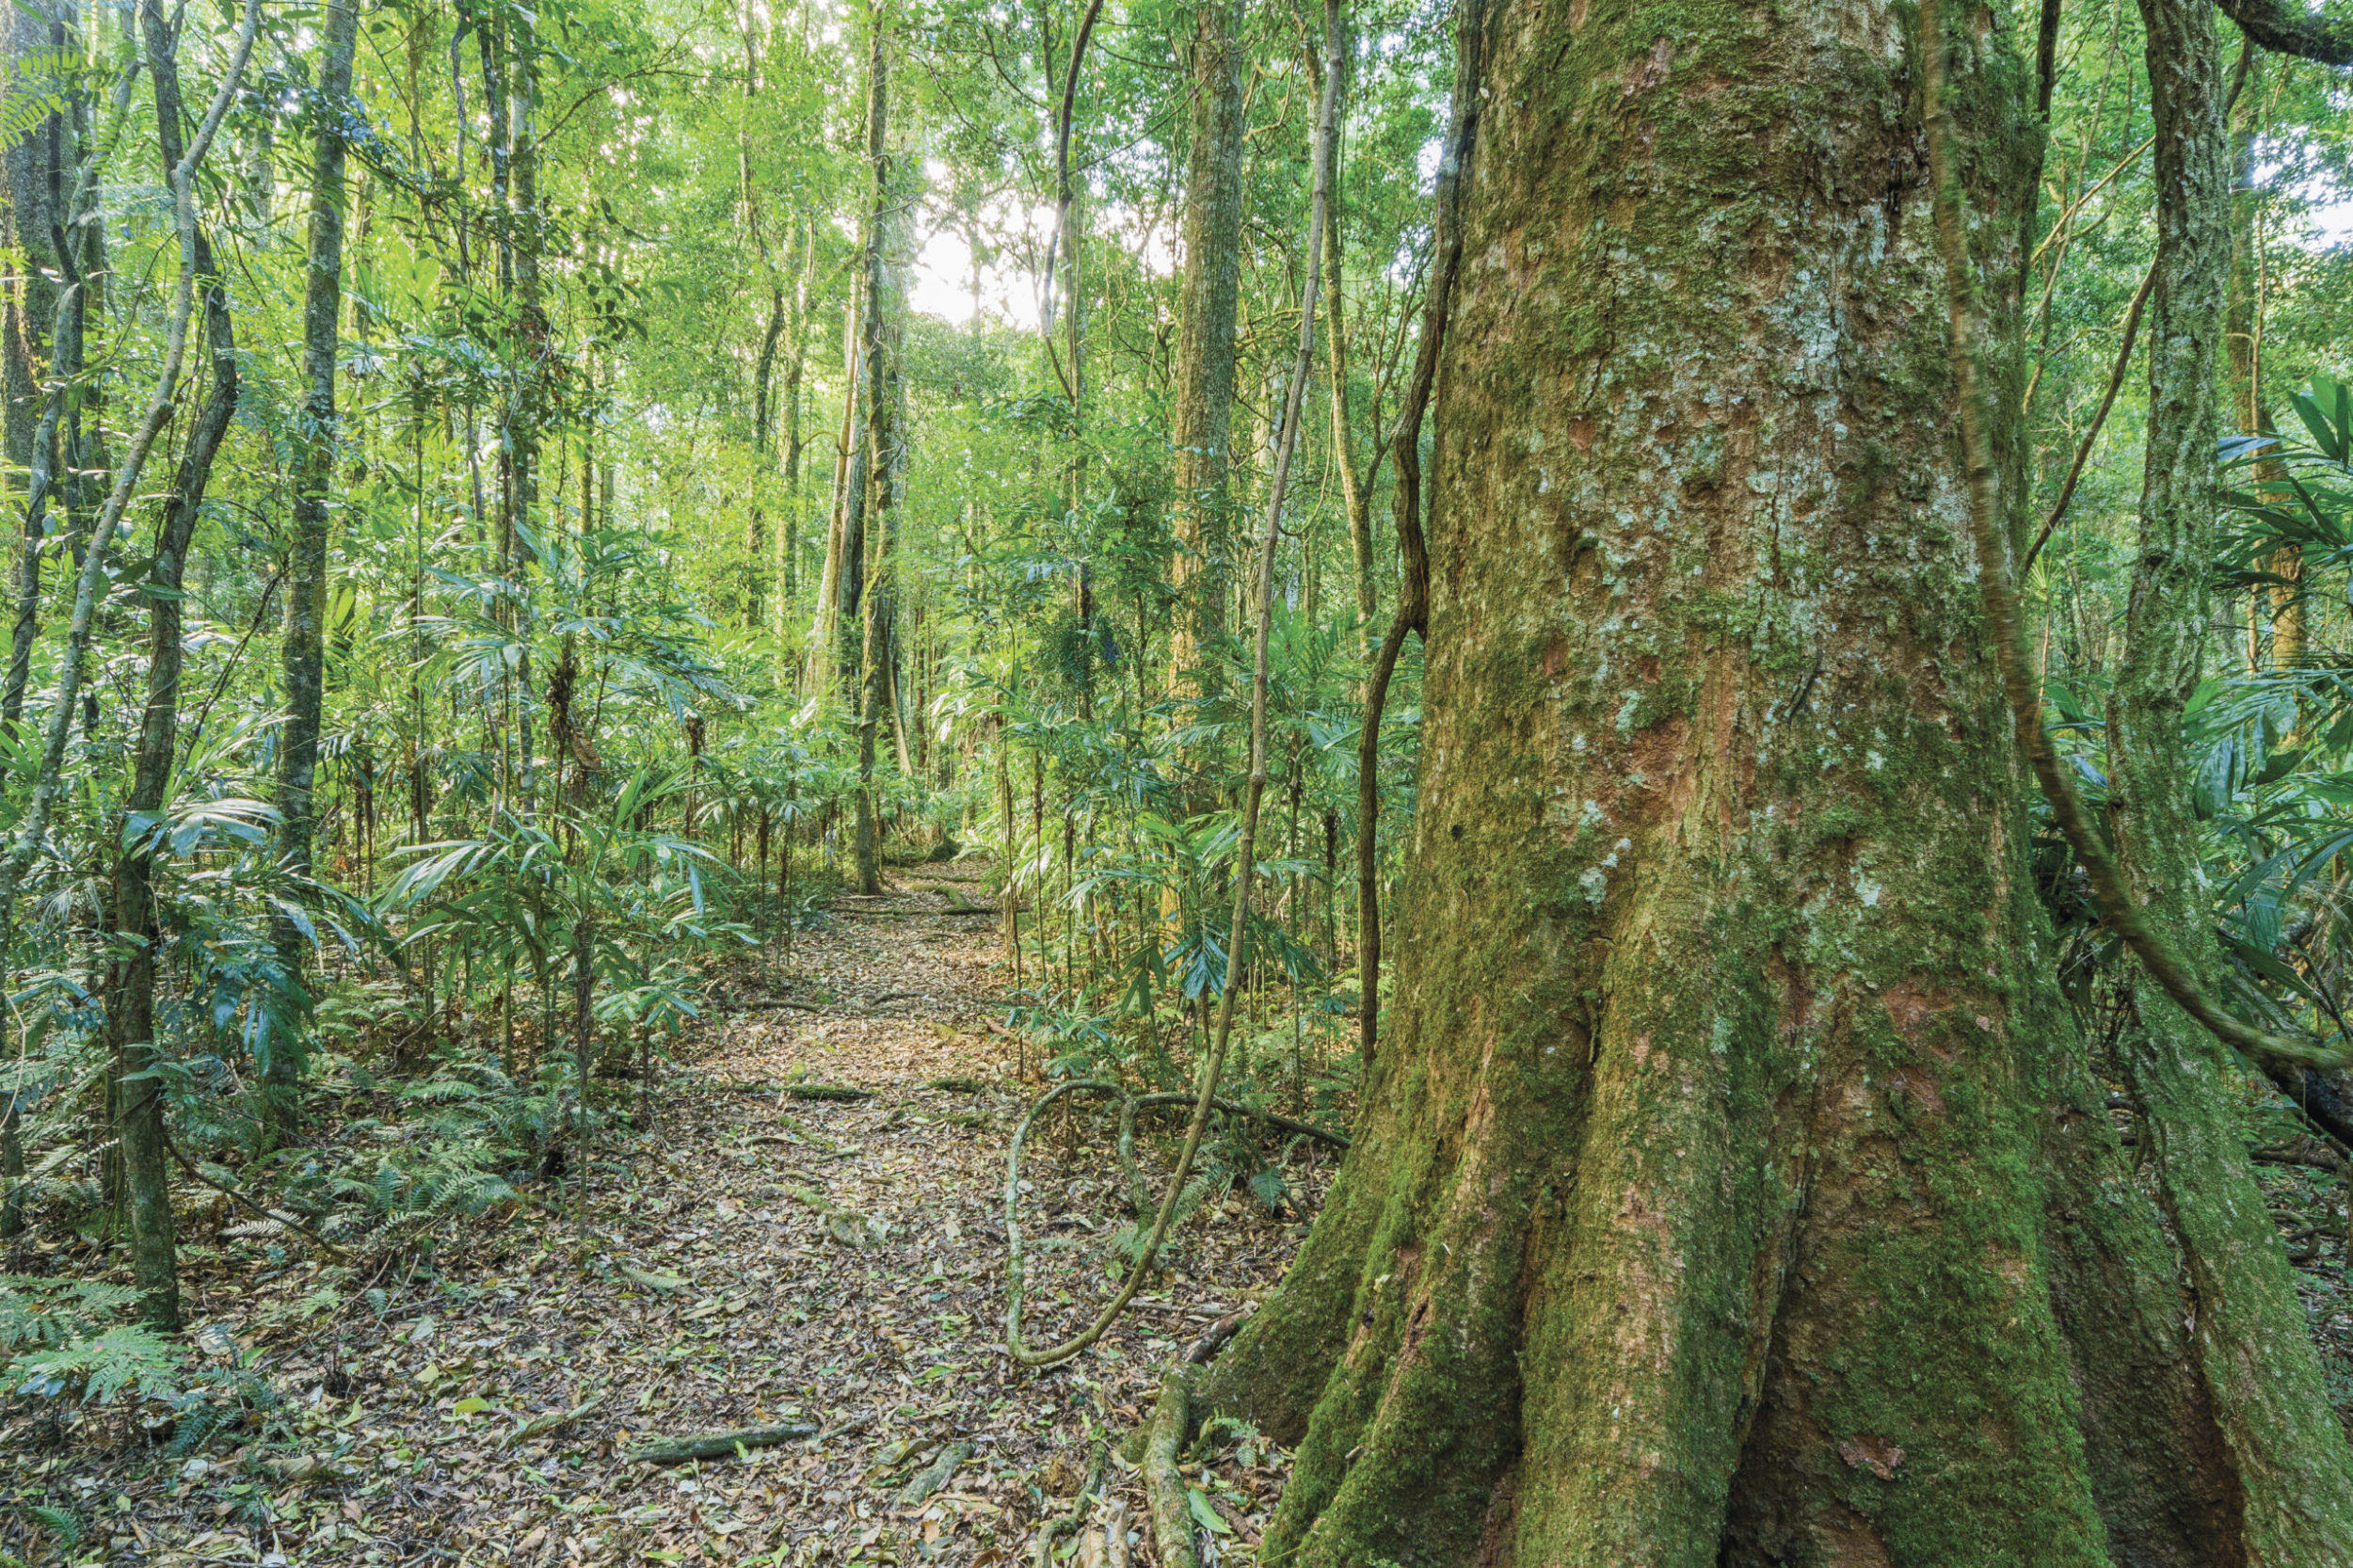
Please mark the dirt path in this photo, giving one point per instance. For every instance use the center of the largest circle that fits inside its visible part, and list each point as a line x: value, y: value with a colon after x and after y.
x: 754, y: 1261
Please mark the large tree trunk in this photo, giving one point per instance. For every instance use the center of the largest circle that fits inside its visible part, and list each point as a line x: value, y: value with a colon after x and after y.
x: 304, y: 652
x: 1707, y: 1207
x: 1203, y: 415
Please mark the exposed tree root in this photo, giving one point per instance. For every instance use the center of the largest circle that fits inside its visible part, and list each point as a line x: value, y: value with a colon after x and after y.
x: 824, y: 1092
x: 719, y: 1444
x: 1163, y: 1487
x: 1062, y: 1524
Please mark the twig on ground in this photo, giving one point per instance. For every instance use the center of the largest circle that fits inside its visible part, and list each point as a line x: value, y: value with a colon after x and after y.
x: 719, y: 1444
x: 552, y: 1422
x: 1213, y: 1338
x: 932, y: 1477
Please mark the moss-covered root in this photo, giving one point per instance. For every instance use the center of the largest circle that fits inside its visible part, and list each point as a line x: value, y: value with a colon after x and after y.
x: 2286, y: 1452
x: 1165, y: 1488
x: 2159, y: 1476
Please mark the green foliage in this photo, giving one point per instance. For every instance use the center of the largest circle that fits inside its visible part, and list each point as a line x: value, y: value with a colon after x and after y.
x: 59, y: 1339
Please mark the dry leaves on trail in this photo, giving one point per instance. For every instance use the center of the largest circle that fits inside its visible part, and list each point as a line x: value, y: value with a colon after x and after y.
x: 756, y: 1260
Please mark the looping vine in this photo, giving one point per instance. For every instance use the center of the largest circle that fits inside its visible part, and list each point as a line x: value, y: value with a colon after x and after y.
x: 1130, y: 1104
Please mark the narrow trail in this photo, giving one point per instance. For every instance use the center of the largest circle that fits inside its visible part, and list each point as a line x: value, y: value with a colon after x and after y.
x: 755, y: 1259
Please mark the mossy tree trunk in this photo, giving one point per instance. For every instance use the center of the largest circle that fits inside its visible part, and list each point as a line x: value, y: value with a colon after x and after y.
x: 2285, y: 1452
x: 304, y: 652
x: 1728, y: 1190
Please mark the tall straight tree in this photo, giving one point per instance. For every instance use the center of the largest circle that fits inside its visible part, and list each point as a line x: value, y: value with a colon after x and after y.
x: 533, y: 344
x: 304, y: 649
x: 27, y: 178
x: 1201, y: 423
x: 883, y: 319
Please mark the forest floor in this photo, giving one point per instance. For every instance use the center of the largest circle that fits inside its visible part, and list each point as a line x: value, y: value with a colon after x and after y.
x: 753, y: 1260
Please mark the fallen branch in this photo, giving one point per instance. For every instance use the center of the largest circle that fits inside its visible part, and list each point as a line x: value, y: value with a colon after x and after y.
x: 1213, y: 1338
x: 932, y: 1477
x: 1114, y: 1535
x: 1139, y: 1193
x: 2308, y: 1152
x: 719, y: 1444
x: 552, y: 1422
x: 917, y: 914
x: 776, y: 1004
x: 824, y: 1092
x: 1163, y: 1487
x: 1273, y: 1119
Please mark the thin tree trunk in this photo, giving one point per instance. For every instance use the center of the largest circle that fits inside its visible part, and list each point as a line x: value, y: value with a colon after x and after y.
x: 1355, y: 481
x: 28, y: 173
x: 886, y: 437
x: 1202, y: 419
x: 2287, y: 1454
x: 755, y: 520
x: 304, y: 654
x: 535, y: 345
x: 796, y: 362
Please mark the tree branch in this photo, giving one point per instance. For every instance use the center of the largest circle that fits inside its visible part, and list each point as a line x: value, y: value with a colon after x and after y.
x: 2286, y: 28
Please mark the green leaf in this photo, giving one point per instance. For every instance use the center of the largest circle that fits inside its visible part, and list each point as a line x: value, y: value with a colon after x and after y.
x: 473, y: 1404
x: 1205, y: 1516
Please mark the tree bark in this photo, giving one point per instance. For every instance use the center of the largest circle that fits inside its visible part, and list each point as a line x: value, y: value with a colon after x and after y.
x: 28, y: 167
x: 755, y: 520
x: 884, y: 323
x: 304, y: 650
x: 796, y: 360
x: 1704, y: 1208
x: 2286, y: 1452
x: 1355, y: 478
x: 38, y: 321
x: 1202, y: 419
x: 535, y: 344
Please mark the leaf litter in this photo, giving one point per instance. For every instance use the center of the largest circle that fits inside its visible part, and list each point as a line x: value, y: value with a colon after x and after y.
x: 758, y: 1259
